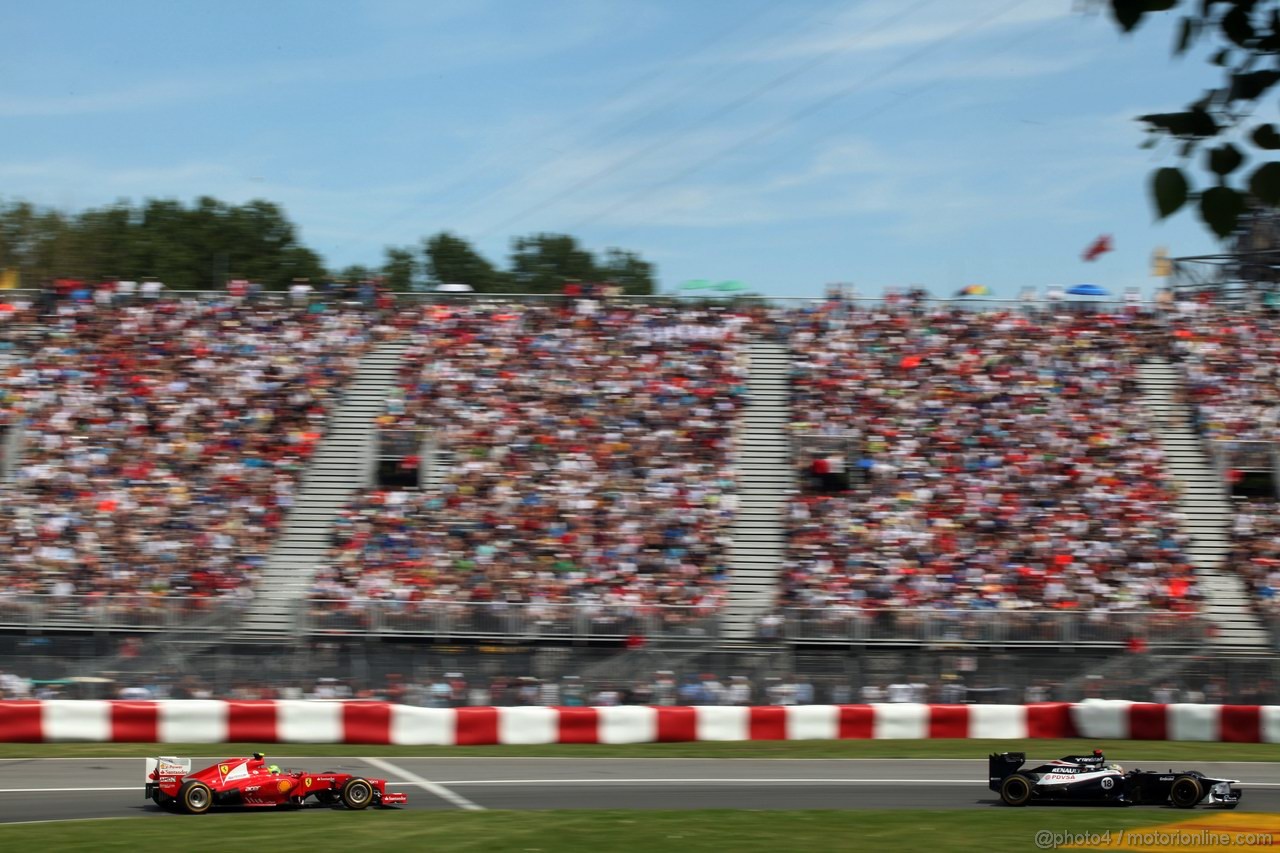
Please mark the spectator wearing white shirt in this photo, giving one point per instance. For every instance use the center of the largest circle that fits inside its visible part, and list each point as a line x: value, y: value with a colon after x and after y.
x: 900, y: 691
x: 300, y: 292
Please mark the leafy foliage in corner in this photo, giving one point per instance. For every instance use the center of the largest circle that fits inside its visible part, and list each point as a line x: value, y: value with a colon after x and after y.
x: 1242, y: 38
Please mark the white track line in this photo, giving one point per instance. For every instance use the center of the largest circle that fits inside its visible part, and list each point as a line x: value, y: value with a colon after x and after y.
x: 3, y: 824
x: 443, y: 757
x: 425, y: 784
x: 677, y: 781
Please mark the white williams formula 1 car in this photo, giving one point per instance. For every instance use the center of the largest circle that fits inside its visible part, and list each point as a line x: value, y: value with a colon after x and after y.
x: 1089, y: 779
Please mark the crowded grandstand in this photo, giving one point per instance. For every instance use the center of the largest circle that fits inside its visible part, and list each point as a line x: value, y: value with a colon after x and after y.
x: 594, y: 449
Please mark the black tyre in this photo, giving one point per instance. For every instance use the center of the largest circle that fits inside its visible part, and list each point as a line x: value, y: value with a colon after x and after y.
x: 195, y: 797
x: 1015, y: 790
x: 1185, y: 792
x: 357, y: 794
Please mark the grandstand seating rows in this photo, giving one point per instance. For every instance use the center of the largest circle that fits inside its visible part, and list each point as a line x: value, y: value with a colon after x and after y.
x: 995, y: 459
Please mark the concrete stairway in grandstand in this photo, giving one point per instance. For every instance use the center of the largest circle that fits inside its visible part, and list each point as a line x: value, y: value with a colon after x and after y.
x: 11, y: 443
x: 765, y: 481
x: 342, y: 463
x: 1205, y: 508
x: 15, y: 343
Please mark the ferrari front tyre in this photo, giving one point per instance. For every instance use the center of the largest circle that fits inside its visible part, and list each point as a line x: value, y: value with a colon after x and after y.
x: 195, y: 797
x: 1185, y: 792
x: 357, y: 794
x: 1015, y: 790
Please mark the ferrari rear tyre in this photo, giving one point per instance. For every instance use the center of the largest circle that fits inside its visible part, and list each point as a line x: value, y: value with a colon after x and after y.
x: 1185, y: 792
x: 195, y: 797
x: 357, y: 794
x: 1015, y: 790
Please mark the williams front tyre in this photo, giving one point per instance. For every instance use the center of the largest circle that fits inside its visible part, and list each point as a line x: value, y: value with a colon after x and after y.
x: 1185, y: 792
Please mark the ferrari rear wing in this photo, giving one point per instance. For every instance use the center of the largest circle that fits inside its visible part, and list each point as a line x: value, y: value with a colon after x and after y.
x: 167, y: 765
x: 164, y: 775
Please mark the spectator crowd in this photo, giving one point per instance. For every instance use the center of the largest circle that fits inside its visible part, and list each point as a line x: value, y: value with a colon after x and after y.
x: 986, y: 459
x: 997, y: 461
x: 591, y: 460
x: 162, y: 441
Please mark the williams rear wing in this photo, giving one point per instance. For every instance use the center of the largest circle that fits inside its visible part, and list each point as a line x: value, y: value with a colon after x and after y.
x: 1001, y: 765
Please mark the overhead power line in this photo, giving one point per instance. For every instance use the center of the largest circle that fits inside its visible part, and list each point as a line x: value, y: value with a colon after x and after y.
x: 676, y: 94
x: 719, y: 113
x: 803, y: 113
x: 486, y: 166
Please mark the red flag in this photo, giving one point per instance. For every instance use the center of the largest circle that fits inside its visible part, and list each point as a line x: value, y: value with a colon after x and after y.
x: 1098, y: 248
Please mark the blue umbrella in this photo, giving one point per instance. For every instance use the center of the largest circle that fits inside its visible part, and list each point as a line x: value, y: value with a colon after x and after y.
x: 1087, y: 290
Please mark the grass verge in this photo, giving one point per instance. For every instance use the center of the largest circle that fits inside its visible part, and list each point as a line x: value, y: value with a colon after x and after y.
x: 596, y: 831
x: 1127, y: 751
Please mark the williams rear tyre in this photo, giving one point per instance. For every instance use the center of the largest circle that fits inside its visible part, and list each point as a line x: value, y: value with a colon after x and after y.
x: 195, y: 797
x: 1015, y: 790
x: 1185, y: 792
x: 357, y: 794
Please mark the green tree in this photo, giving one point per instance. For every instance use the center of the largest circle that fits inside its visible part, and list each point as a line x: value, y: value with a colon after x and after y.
x: 1221, y: 128
x: 299, y: 262
x: 629, y: 270
x: 451, y: 260
x: 188, y: 248
x: 355, y: 273
x: 543, y: 263
x: 29, y: 238
x: 400, y: 269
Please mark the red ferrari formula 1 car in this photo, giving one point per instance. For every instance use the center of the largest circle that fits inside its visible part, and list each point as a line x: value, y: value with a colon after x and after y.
x: 253, y: 782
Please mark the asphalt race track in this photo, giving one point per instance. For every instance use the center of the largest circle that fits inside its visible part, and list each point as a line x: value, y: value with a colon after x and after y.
x: 60, y: 789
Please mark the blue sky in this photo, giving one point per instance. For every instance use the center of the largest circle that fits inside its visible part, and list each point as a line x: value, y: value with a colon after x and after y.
x: 881, y: 142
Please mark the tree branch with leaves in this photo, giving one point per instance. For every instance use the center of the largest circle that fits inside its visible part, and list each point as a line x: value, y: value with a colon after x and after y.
x: 1219, y: 133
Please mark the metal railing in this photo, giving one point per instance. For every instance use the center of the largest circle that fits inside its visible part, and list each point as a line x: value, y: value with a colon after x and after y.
x: 361, y: 617
x: 117, y: 612
x: 568, y: 622
x: 522, y: 621
x: 993, y: 627
x: 1110, y: 304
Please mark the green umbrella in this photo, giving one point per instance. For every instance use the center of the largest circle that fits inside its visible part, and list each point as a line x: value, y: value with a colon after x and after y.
x: 731, y: 286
